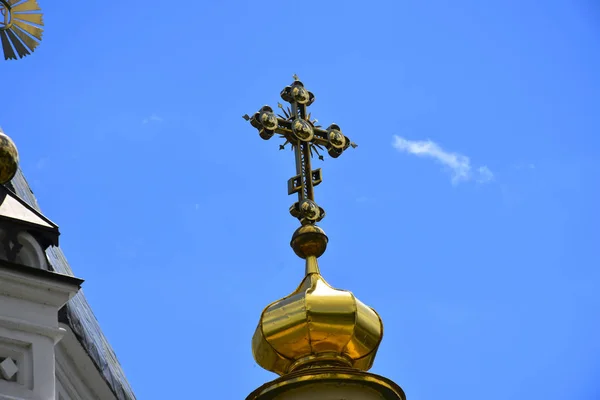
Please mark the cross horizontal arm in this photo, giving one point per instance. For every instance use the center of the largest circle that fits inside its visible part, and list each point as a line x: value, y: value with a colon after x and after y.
x: 284, y: 127
x: 296, y: 128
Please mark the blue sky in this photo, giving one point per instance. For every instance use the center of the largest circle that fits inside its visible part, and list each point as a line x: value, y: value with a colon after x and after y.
x: 466, y: 215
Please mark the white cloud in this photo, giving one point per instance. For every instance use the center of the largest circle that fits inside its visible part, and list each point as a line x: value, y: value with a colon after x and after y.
x: 458, y: 164
x: 484, y: 174
x: 152, y: 118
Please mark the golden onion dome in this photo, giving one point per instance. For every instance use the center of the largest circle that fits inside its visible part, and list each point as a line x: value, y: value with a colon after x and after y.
x: 316, y: 325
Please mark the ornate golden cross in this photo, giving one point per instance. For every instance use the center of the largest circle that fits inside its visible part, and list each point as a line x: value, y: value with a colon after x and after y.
x: 306, y: 138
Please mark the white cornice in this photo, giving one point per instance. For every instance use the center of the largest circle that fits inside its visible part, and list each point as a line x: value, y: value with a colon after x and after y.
x: 41, y: 288
x: 25, y: 326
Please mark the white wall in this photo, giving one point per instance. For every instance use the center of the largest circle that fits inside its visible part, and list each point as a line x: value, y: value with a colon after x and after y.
x: 29, y: 330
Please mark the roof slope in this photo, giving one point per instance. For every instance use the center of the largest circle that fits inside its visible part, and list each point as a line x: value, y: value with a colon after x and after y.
x: 78, y: 314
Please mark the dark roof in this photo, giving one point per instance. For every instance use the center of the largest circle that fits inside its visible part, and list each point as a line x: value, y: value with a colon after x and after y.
x: 78, y: 314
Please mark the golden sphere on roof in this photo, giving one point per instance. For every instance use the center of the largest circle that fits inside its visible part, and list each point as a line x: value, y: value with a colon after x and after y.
x: 9, y: 158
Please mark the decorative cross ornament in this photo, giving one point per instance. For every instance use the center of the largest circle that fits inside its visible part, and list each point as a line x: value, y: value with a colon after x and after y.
x: 306, y: 139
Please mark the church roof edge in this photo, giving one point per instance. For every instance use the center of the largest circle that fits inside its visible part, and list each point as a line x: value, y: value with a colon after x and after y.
x: 78, y: 314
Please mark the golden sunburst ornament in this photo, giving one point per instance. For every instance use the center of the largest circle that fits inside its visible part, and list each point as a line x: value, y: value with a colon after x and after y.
x: 20, y: 27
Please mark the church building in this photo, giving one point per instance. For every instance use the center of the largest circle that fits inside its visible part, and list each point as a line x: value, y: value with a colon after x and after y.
x: 51, y: 346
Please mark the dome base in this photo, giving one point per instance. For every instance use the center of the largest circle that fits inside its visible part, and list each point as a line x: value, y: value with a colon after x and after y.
x: 329, y: 384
